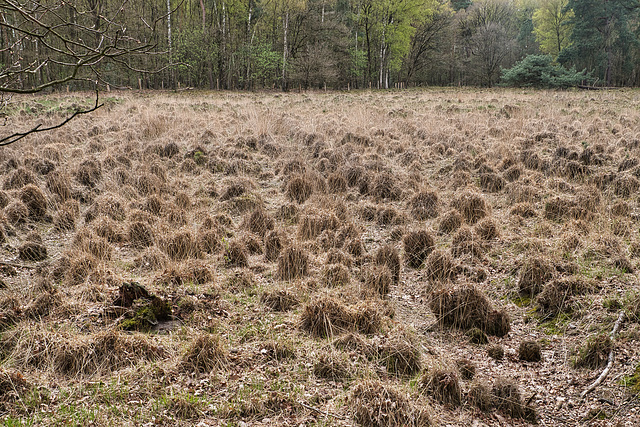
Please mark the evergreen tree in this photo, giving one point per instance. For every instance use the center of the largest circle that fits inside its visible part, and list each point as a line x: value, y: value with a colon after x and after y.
x: 602, y: 37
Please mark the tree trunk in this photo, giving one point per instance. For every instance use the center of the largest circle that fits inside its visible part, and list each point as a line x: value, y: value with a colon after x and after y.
x: 284, y: 50
x: 171, y: 82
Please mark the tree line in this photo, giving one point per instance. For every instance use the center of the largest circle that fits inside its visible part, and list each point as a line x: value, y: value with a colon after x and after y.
x: 290, y: 44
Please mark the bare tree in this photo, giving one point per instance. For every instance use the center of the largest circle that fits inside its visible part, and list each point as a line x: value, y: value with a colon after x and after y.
x: 49, y: 43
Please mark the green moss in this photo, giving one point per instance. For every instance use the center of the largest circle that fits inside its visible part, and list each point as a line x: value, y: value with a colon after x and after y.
x: 147, y: 315
x: 522, y: 300
x: 557, y: 325
x: 632, y: 381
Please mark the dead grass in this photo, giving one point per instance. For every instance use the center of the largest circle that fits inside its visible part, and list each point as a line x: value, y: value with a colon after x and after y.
x: 205, y: 354
x: 417, y: 247
x: 399, y: 353
x: 472, y: 206
x: 293, y: 263
x: 424, y: 205
x: 594, y: 353
x: 530, y: 351
x: 379, y: 279
x: 467, y: 307
x: 439, y: 266
x: 443, y: 384
x: 389, y: 257
x: 325, y: 317
x: 262, y: 224
x: 376, y: 404
x: 35, y: 201
x: 534, y: 274
x: 279, y: 299
x: 85, y: 356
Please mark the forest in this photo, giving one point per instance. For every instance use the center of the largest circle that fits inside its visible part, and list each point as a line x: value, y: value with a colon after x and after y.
x: 306, y: 44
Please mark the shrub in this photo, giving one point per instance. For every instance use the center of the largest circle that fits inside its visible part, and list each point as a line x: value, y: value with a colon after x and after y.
x: 540, y: 71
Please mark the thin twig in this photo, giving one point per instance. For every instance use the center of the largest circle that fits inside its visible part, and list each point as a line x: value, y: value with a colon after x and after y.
x: 606, y: 370
x: 328, y: 414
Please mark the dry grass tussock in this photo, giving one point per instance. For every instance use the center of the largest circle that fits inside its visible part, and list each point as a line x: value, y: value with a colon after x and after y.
x: 263, y: 225
x: 377, y: 404
x: 63, y: 353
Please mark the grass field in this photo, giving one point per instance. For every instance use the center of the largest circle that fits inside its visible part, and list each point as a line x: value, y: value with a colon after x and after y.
x: 424, y: 257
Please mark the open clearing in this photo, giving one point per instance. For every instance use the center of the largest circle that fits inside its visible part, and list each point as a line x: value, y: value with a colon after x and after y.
x: 444, y: 257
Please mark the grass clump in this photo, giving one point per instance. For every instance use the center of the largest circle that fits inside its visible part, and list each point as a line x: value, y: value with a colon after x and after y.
x: 141, y: 235
x: 450, y: 222
x: 466, y: 368
x: 534, y: 274
x: 384, y: 187
x: 204, y: 354
x: 35, y: 201
x: 259, y: 222
x: 530, y: 351
x: 480, y: 396
x: 181, y: 245
x: 439, y: 266
x: 400, y: 354
x: 472, y: 206
x: 595, y: 352
x: 235, y: 254
x: 424, y: 205
x: 335, y: 275
x: 507, y: 399
x: 332, y: 366
x: 32, y: 251
x: 274, y: 241
x: 379, y: 279
x: 466, y: 307
x: 477, y: 336
x: 89, y: 173
x: 79, y: 356
x: 417, y: 247
x: 16, y: 213
x: 293, y: 263
x: 279, y: 299
x: 487, y: 229
x: 299, y: 189
x: 376, y: 404
x: 388, y: 256
x: 465, y: 242
x: 443, y: 384
x: 326, y: 316
x: 556, y: 296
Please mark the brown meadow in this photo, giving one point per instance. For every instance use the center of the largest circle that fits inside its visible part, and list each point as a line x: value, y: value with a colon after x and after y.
x: 423, y: 257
